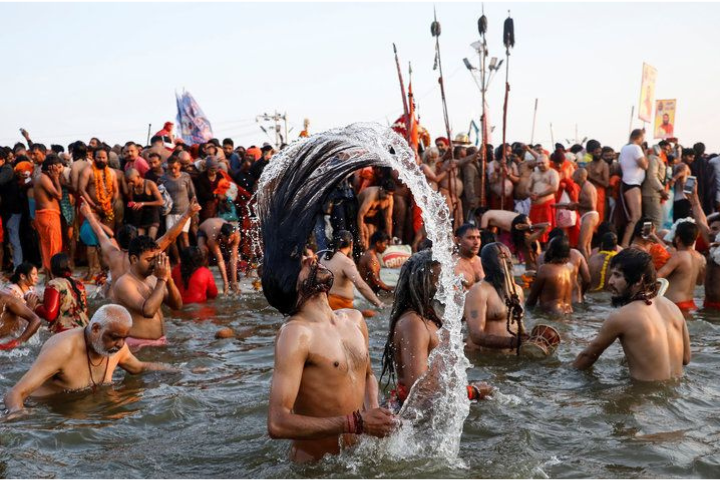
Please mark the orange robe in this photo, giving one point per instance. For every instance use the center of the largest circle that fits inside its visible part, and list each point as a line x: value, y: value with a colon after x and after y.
x: 337, y: 302
x: 49, y: 228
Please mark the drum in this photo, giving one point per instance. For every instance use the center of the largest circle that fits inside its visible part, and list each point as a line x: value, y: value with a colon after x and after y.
x: 542, y: 343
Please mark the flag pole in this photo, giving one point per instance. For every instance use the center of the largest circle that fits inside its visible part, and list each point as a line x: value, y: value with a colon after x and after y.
x: 509, y: 41
x: 148, y: 135
x: 404, y: 97
x: 532, y: 133
x: 632, y: 114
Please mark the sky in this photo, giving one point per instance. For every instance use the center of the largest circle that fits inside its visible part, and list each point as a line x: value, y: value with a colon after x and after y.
x: 76, y: 70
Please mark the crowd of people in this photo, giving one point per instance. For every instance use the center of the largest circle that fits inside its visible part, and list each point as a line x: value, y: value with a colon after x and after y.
x: 148, y: 221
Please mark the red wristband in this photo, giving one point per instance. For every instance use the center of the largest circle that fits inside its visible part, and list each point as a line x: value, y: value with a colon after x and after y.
x: 472, y: 393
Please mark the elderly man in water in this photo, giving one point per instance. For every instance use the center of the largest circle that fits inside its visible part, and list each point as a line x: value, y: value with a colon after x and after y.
x: 81, y: 358
x: 651, y: 328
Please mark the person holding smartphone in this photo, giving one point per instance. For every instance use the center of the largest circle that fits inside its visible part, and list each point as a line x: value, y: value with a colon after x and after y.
x: 682, y: 181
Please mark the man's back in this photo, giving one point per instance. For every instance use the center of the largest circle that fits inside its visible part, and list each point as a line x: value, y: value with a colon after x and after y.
x: 553, y: 287
x: 688, y: 266
x: 652, y: 337
x: 342, y: 285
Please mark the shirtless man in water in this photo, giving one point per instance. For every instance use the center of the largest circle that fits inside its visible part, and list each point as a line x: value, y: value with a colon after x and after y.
x: 554, y: 281
x: 651, y: 329
x: 469, y: 266
x: 369, y: 266
x: 345, y: 274
x: 215, y: 235
x: 115, y: 253
x: 143, y: 289
x: 323, y: 387
x: 485, y: 309
x: 376, y: 207
x: 13, y: 311
x: 685, y: 269
x: 599, y: 262
x: 81, y: 358
x: 581, y: 273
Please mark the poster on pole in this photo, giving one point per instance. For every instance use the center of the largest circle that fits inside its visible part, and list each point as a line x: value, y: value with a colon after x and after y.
x: 194, y: 126
x: 665, y: 118
x: 647, y: 93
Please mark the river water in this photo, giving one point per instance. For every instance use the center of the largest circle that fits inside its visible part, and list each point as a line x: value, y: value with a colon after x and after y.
x: 546, y: 420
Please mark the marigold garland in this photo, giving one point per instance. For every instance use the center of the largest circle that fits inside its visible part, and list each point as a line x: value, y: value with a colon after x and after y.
x: 104, y: 190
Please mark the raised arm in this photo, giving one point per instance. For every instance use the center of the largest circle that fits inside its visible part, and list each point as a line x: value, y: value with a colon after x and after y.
x: 107, y: 243
x: 171, y: 235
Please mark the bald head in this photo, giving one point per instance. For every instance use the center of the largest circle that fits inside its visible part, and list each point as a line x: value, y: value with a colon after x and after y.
x: 184, y: 158
x: 580, y: 176
x: 131, y: 174
x: 543, y: 163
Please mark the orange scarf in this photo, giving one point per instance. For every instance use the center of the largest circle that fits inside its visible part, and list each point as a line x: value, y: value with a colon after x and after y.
x: 104, y: 190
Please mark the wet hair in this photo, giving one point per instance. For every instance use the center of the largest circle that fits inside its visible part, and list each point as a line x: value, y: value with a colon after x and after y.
x: 558, y: 250
x: 687, y: 233
x: 492, y: 265
x: 464, y: 228
x: 311, y: 170
x: 140, y: 245
x: 49, y: 161
x: 125, y: 235
x: 518, y: 236
x: 227, y: 229
x: 487, y: 237
x: 388, y: 185
x: 379, y: 236
x: 23, y: 269
x: 425, y: 244
x: 636, y: 265
x: 414, y: 292
x: 191, y: 258
x: 341, y: 239
x: 608, y: 241
x: 60, y: 268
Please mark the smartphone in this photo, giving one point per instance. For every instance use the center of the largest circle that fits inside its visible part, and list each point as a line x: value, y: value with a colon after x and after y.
x: 647, y: 228
x: 690, y: 185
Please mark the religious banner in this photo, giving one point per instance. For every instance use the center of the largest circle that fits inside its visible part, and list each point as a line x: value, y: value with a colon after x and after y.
x: 193, y: 125
x: 665, y: 118
x: 647, y: 93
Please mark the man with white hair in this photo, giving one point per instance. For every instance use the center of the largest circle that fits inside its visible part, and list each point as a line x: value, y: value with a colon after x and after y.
x: 81, y: 358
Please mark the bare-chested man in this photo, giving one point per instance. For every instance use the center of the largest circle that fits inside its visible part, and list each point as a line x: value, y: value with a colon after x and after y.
x: 554, y: 282
x: 710, y: 231
x: 80, y: 162
x: 686, y: 267
x: 651, y: 329
x: 48, y: 193
x: 485, y: 308
x: 598, y: 173
x: 81, y: 358
x: 369, y: 265
x: 496, y: 219
x: 525, y: 236
x: 345, y: 274
x: 143, y: 289
x: 522, y: 189
x: 581, y: 273
x: 13, y: 312
x: 599, y: 262
x: 469, y: 265
x: 98, y: 186
x: 323, y: 388
x: 375, y: 213
x: 217, y: 236
x: 414, y: 326
x: 587, y: 208
x: 544, y: 182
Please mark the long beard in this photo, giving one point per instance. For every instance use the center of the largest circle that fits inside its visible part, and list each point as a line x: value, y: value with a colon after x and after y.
x: 100, y: 349
x: 621, y: 300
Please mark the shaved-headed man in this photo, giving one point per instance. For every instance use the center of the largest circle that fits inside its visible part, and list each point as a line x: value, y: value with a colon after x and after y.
x: 81, y: 358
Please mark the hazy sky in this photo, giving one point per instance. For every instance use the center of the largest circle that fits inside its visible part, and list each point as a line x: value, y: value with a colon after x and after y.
x: 72, y: 71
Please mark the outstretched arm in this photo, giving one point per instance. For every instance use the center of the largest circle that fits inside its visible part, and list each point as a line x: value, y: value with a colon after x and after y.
x: 171, y: 235
x: 107, y: 243
x: 352, y: 273
x: 49, y: 362
x: 609, y: 331
x: 20, y: 310
x: 132, y: 365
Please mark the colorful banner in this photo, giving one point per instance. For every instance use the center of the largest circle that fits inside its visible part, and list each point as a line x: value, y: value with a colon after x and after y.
x: 647, y: 93
x: 193, y: 125
x: 665, y: 118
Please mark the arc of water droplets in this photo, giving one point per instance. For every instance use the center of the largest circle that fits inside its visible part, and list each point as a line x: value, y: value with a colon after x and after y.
x: 450, y: 406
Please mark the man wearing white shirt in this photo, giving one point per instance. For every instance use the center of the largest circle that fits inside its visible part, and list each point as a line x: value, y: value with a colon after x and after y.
x: 633, y: 163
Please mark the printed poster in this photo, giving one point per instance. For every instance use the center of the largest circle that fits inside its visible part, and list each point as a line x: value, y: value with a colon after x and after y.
x: 647, y: 93
x: 665, y: 118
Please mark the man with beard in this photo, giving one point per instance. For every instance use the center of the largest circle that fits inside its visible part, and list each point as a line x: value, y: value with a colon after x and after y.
x: 48, y: 193
x: 414, y: 326
x: 143, y: 289
x: 323, y: 390
x: 485, y: 304
x: 375, y: 213
x: 651, y: 328
x: 555, y: 279
x: 369, y: 266
x: 686, y: 267
x: 469, y: 266
x: 80, y: 359
x: 598, y: 174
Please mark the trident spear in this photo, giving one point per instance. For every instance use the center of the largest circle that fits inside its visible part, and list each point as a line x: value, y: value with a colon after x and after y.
x: 482, y: 29
x: 435, y: 30
x: 509, y: 41
x: 404, y: 97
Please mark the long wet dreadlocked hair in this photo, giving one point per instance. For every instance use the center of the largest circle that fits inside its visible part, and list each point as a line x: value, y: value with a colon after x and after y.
x: 414, y: 292
x: 492, y: 264
x: 295, y: 185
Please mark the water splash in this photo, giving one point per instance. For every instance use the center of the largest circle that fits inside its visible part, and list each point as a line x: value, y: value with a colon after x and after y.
x: 437, y: 406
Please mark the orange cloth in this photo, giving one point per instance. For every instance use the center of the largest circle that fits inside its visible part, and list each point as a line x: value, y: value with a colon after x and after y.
x: 659, y: 255
x: 49, y: 228
x: 600, y: 207
x: 687, y: 305
x: 337, y: 302
x: 542, y: 213
x: 711, y: 305
x: 417, y: 218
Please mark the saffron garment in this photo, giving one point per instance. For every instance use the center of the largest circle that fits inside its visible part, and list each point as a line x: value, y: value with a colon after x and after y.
x: 337, y: 302
x: 62, y: 307
x: 542, y: 213
x: 687, y: 305
x: 659, y: 255
x: 201, y: 285
x: 49, y: 229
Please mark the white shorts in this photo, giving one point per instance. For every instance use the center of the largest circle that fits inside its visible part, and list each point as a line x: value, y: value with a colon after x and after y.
x: 171, y: 220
